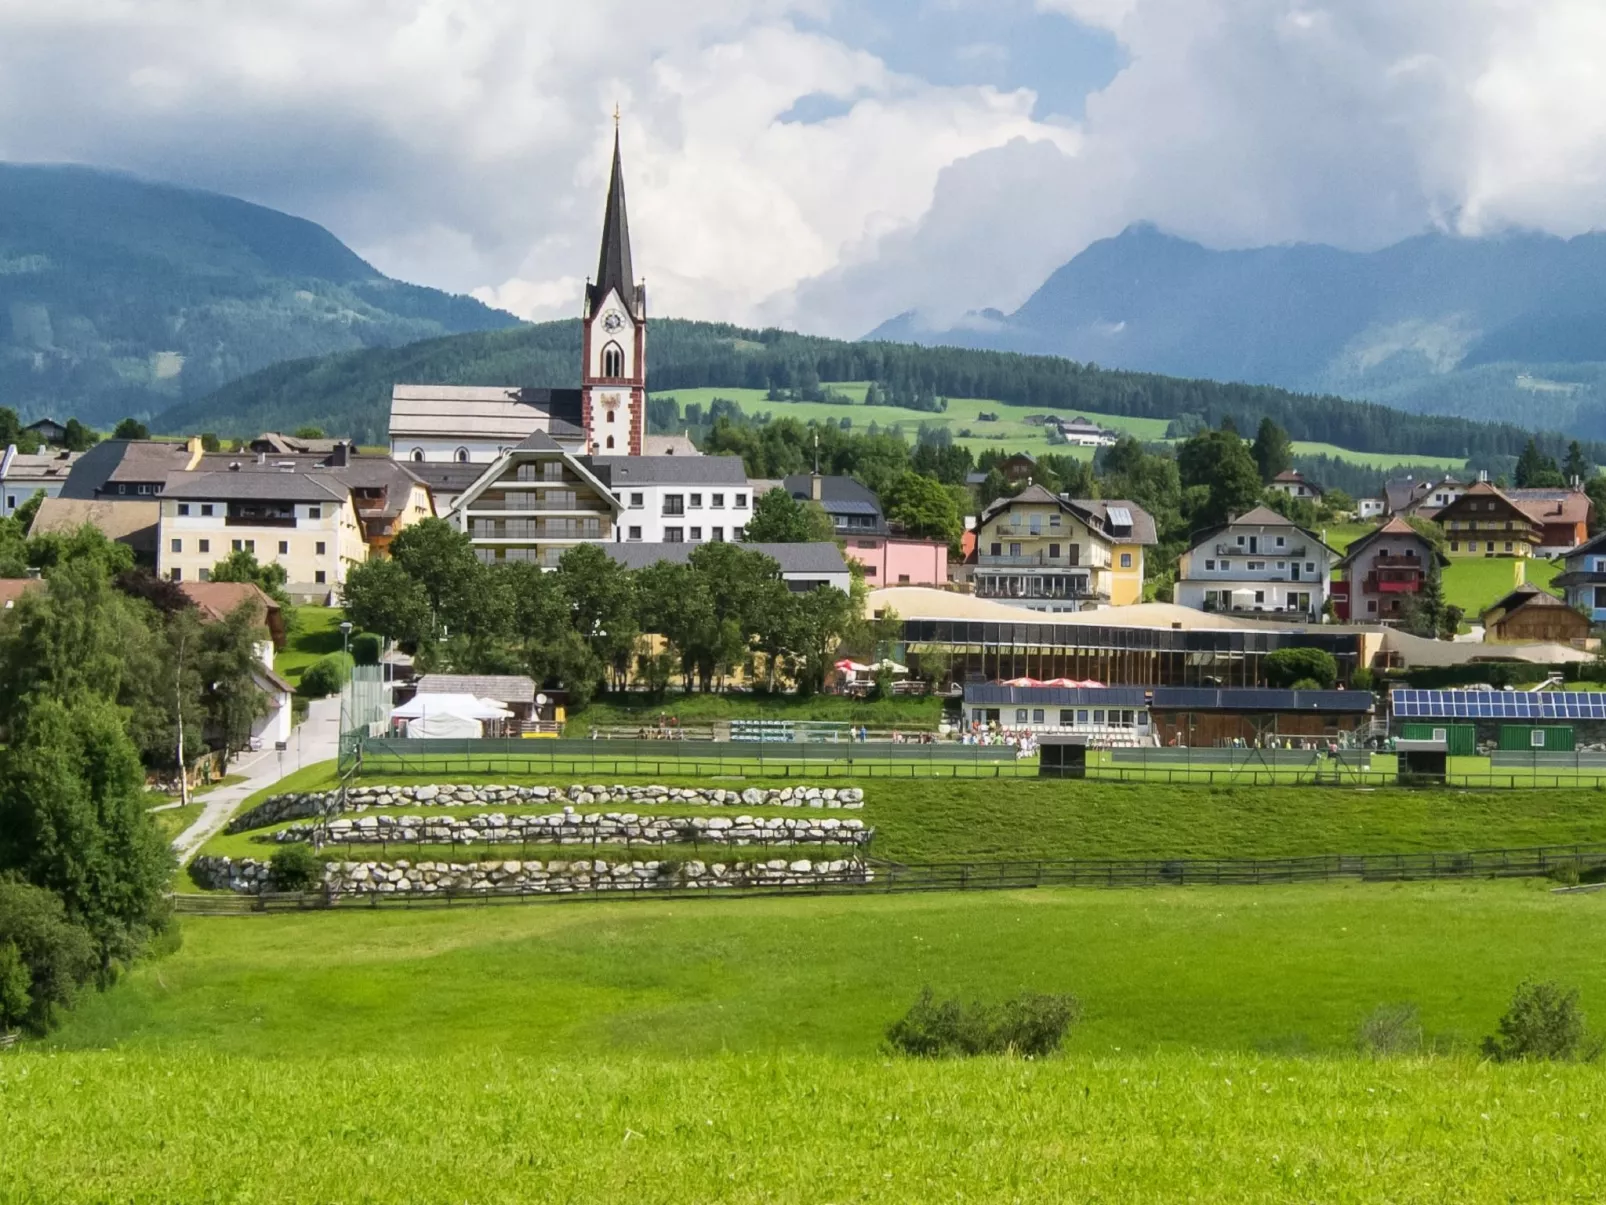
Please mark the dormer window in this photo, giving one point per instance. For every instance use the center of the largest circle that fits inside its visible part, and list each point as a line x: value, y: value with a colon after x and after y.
x: 613, y: 360
x: 461, y: 455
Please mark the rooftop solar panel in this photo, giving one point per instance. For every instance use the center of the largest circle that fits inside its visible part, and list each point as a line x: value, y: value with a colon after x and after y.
x: 1120, y: 516
x: 1486, y: 704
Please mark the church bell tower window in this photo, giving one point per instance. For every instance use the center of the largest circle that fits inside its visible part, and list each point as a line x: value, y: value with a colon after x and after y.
x: 613, y: 361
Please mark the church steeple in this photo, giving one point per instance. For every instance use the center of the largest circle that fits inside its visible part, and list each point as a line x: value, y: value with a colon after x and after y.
x: 613, y: 264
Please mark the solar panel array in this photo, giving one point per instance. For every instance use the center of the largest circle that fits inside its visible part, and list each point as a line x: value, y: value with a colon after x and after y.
x: 1499, y: 704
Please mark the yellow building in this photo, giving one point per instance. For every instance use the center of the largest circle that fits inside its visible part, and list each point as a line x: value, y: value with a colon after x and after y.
x: 1048, y: 553
x: 1484, y: 522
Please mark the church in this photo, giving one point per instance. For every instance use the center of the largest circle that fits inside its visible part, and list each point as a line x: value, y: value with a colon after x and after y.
x: 606, y: 416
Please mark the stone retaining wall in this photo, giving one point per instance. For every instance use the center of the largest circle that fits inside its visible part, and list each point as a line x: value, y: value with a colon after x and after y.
x: 315, y: 804
x: 569, y: 827
x: 250, y: 876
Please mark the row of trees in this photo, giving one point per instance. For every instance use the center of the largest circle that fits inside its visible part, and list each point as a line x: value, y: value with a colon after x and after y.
x: 105, y: 673
x: 590, y: 623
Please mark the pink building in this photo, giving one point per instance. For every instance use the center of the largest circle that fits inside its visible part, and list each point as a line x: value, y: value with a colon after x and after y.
x: 897, y: 561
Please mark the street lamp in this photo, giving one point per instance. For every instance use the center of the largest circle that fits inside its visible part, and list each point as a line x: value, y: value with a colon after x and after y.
x: 345, y: 650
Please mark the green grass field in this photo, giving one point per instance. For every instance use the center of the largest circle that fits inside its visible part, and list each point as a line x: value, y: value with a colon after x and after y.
x: 317, y: 635
x: 1009, y: 433
x: 482, y: 1126
x: 1476, y: 583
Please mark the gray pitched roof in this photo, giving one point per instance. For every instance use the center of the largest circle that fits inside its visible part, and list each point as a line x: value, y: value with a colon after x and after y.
x: 832, y: 489
x: 504, y: 688
x: 812, y: 558
x: 1143, y: 529
x: 126, y: 461
x: 281, y: 486
x: 620, y: 472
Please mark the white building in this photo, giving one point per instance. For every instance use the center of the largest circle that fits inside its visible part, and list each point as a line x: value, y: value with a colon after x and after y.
x: 1292, y: 482
x: 534, y: 504
x: 1258, y: 562
x: 677, y: 499
x: 1082, y: 433
x: 472, y: 425
x: 24, y: 474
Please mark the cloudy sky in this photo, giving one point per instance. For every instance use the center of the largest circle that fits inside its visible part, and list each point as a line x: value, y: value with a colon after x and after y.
x: 825, y: 164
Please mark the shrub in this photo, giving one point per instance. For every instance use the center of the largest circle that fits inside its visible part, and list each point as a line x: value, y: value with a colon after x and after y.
x: 44, y: 958
x: 1544, y: 1022
x: 296, y: 868
x: 1031, y: 1024
x: 1363, y: 679
x: 326, y: 676
x: 1288, y: 666
x: 1308, y: 684
x: 366, y: 647
x: 1391, y: 1029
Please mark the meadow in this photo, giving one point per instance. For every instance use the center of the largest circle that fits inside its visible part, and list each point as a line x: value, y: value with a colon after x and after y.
x: 789, y: 1128
x: 1008, y: 433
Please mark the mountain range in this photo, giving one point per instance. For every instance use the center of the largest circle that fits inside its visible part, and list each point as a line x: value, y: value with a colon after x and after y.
x: 120, y: 296
x: 1485, y: 328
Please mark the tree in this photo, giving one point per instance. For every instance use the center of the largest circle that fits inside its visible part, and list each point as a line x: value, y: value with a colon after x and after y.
x: 439, y: 558
x: 1544, y: 1022
x: 822, y: 616
x: 79, y: 438
x: 602, y: 604
x: 241, y: 565
x: 924, y: 509
x: 1595, y: 487
x: 1220, y: 462
x: 25, y: 514
x: 1285, y: 667
x: 380, y: 596
x: 779, y: 518
x: 309, y: 433
x: 1577, y: 467
x: 73, y: 820
x: 88, y: 543
x: 1535, y: 470
x: 1273, y: 451
x: 45, y: 959
x: 228, y: 667
x: 131, y: 428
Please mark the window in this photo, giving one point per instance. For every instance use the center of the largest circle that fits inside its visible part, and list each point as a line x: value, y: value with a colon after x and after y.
x: 635, y: 533
x: 1279, y: 541
x: 314, y: 512
x: 741, y: 501
x: 696, y: 533
x: 1054, y: 519
x: 674, y: 535
x: 1455, y: 546
x: 320, y: 577
x: 903, y: 579
x: 636, y: 502
x: 1282, y: 564
x: 610, y: 441
x: 1255, y: 565
x: 613, y: 360
x: 869, y: 570
x: 146, y: 489
x: 1098, y: 715
x: 319, y: 548
x: 610, y: 416
x: 1053, y: 552
x: 1508, y: 545
x: 206, y: 575
x: 674, y: 504
x: 245, y: 546
x: 1075, y: 556
x: 1037, y: 525
x: 1371, y: 605
x: 1037, y: 715
x: 995, y: 550
x: 206, y: 545
x: 1240, y: 541
x: 1081, y: 716
x: 206, y: 510
x: 1310, y: 566
x: 738, y: 534
x: 697, y: 502
x: 1260, y: 597
x: 1210, y: 566
x: 284, y: 547
x: 1225, y: 565
x: 717, y: 534
x: 1020, y: 715
x: 418, y: 455
x: 716, y: 501
x: 461, y: 455
x: 1067, y: 717
x: 176, y: 575
x: 178, y: 545
x: 122, y: 489
x: 1126, y: 560
x: 1014, y: 549
x: 183, y: 508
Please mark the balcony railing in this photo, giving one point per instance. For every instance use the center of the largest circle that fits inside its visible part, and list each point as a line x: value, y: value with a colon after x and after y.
x: 1398, y: 562
x: 1261, y: 553
x: 1025, y: 560
x: 1036, y: 586
x: 260, y: 521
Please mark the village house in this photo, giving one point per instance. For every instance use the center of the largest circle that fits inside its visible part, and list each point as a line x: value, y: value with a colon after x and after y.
x: 1381, y: 571
x: 1483, y: 521
x: 1047, y: 553
x: 1257, y: 563
x: 1531, y: 614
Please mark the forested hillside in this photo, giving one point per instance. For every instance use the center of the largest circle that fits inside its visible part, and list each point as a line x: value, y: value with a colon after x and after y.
x: 121, y: 297
x: 350, y: 392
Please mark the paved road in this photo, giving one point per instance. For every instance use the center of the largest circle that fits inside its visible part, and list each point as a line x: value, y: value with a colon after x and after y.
x: 314, y: 740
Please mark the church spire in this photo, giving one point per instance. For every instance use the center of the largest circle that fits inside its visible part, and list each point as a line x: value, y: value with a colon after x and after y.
x: 613, y: 265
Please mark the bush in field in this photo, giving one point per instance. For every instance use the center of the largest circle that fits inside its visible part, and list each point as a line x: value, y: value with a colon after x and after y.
x: 326, y: 676
x: 1391, y: 1029
x: 366, y: 647
x: 1030, y: 1024
x: 44, y: 958
x: 1285, y: 667
x: 296, y: 868
x: 1545, y: 1023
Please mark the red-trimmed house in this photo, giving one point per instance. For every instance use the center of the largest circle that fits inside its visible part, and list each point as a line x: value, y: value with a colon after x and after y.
x: 1380, y: 571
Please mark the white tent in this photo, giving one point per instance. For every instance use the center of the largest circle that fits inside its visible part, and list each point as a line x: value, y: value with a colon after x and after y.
x: 448, y: 717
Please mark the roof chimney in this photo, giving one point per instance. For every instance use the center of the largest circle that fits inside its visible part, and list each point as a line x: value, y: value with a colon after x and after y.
x: 341, y: 455
x: 262, y: 458
x: 814, y: 485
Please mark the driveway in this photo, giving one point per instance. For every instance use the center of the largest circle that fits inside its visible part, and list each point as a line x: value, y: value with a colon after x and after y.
x: 314, y: 740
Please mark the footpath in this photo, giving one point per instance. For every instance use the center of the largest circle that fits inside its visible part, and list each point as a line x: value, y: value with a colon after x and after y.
x: 315, y: 739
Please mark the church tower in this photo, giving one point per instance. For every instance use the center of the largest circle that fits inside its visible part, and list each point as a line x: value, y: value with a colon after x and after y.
x: 613, y: 381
